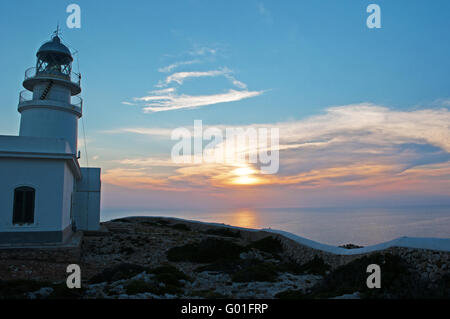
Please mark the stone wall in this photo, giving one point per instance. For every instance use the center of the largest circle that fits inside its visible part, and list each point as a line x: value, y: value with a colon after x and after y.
x: 431, y: 265
x: 54, y: 255
x: 69, y: 252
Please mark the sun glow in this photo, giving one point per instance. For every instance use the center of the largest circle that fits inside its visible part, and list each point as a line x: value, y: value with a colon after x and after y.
x: 245, y: 176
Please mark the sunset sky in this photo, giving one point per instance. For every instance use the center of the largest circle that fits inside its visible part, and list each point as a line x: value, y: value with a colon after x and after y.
x: 363, y: 114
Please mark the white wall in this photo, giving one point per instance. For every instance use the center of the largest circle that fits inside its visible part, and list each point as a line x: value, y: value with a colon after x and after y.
x: 50, y: 180
x: 67, y: 196
x: 45, y: 122
x: 86, y: 208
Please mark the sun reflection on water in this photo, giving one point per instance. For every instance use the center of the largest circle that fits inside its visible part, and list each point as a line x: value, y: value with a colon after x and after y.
x: 246, y: 218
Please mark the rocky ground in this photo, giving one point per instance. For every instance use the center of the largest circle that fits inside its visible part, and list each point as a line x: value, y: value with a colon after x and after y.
x: 165, y: 258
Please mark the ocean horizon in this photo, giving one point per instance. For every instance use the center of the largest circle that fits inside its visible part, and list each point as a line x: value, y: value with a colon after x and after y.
x: 333, y: 226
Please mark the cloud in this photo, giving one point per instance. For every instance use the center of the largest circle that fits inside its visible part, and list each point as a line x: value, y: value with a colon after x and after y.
x: 163, y: 91
x: 169, y: 95
x: 235, y: 82
x: 202, y: 51
x: 167, y: 99
x: 157, y: 132
x: 180, y: 77
x: 362, y: 148
x: 176, y: 102
x: 175, y: 65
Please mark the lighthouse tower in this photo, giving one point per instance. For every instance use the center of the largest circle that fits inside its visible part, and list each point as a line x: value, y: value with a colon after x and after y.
x: 54, y: 107
x: 45, y: 196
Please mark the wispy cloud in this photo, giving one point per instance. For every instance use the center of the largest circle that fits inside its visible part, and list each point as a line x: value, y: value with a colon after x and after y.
x: 161, y: 132
x: 175, y: 102
x: 180, y: 77
x: 202, y: 51
x: 175, y: 65
x: 167, y: 98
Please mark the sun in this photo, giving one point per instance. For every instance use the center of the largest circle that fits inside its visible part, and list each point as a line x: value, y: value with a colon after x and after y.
x: 244, y: 176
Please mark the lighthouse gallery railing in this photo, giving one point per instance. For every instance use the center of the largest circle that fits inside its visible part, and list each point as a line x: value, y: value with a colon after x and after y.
x: 72, y: 77
x: 27, y: 96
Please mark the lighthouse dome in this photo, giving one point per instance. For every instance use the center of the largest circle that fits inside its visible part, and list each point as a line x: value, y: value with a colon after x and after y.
x: 54, y: 49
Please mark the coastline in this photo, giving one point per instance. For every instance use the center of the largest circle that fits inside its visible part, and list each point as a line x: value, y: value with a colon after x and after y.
x: 164, y: 257
x: 427, y: 243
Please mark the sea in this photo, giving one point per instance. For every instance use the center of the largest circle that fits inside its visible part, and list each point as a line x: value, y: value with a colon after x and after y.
x: 333, y: 226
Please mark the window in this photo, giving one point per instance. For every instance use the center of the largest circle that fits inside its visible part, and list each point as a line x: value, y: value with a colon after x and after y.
x: 23, y: 205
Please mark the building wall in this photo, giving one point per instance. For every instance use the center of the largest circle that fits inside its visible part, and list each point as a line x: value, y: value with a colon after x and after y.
x: 86, y: 208
x: 47, y: 122
x: 49, y: 179
x: 69, y: 182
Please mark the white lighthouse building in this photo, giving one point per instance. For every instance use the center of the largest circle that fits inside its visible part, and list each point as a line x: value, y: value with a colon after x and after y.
x: 44, y: 193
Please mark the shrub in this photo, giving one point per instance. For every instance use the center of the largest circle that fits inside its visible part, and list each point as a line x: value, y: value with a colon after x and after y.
x: 290, y: 294
x: 182, y: 227
x: 16, y: 289
x: 224, y: 232
x: 397, y: 280
x: 123, y: 220
x: 206, y: 251
x: 316, y: 267
x: 256, y: 272
x: 121, y: 271
x: 350, y: 246
x: 127, y: 250
x: 139, y: 286
x: 61, y: 291
x: 269, y: 245
x: 169, y: 275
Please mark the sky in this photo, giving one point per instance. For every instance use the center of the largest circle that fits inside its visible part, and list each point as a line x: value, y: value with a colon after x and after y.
x: 363, y: 114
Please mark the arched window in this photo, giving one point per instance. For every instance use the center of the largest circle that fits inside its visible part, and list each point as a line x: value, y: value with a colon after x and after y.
x: 24, y: 205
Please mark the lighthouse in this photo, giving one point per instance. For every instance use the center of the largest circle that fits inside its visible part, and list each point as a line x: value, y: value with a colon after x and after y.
x: 45, y: 196
x: 55, y: 106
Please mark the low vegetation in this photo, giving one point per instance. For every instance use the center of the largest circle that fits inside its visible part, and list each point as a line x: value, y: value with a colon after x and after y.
x: 259, y: 271
x: 269, y: 245
x: 223, y: 232
x: 397, y: 281
x: 207, y: 251
x: 121, y: 271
